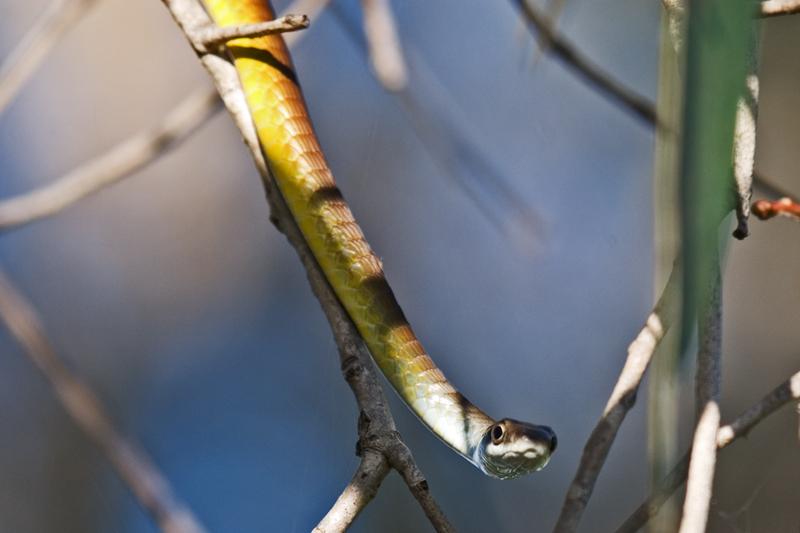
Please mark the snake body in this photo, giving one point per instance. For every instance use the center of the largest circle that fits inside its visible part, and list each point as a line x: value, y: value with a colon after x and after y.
x: 507, y: 448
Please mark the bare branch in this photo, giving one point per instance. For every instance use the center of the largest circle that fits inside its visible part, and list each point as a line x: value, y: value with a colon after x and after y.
x: 786, y: 392
x: 766, y: 209
x: 23, y: 61
x: 148, y: 485
x: 774, y: 8
x: 553, y: 11
x: 213, y: 36
x: 311, y: 8
x: 114, y: 165
x: 744, y: 153
x: 359, y: 492
x: 701, y: 472
x: 377, y: 430
x: 707, y: 386
x: 744, y: 142
x: 385, y: 54
x: 622, y: 399
x: 574, y: 59
x: 607, y: 84
x: 709, y: 354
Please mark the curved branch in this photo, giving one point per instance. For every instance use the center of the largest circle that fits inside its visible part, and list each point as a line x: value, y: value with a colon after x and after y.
x: 112, y: 166
x: 622, y: 399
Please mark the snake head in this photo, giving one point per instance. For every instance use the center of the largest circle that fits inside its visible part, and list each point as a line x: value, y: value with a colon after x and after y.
x: 510, y: 448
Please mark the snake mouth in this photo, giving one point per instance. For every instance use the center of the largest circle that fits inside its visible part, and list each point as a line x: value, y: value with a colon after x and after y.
x: 530, y: 454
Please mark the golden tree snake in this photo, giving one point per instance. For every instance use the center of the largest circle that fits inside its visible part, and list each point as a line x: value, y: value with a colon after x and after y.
x: 500, y: 448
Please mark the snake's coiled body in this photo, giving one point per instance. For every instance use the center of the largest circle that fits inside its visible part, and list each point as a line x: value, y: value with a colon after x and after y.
x: 353, y: 270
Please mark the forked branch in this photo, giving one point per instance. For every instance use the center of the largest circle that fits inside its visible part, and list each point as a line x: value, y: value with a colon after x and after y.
x: 786, y: 392
x: 377, y: 430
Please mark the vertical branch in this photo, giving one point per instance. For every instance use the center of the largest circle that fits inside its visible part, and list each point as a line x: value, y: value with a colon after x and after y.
x: 707, y: 387
x: 23, y: 61
x: 140, y: 475
x: 744, y: 140
x: 709, y: 373
x: 701, y: 472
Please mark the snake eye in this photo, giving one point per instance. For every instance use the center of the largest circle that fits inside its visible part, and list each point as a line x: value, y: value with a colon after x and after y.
x: 497, y: 434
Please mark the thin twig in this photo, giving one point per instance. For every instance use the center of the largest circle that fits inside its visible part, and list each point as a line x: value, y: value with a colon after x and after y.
x: 553, y: 11
x: 377, y: 430
x: 603, y: 81
x: 385, y: 53
x: 311, y: 9
x: 140, y: 475
x: 112, y: 166
x: 26, y: 57
x: 622, y: 399
x: 573, y: 58
x: 786, y: 392
x: 774, y: 8
x: 766, y: 209
x: 213, y: 36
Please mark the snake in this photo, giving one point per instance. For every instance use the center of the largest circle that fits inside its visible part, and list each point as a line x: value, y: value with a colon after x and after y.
x: 504, y: 448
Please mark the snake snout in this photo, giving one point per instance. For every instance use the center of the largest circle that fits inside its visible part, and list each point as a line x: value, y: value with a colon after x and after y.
x: 547, y: 435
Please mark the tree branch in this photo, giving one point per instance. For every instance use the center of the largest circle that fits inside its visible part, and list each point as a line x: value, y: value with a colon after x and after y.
x: 786, y: 392
x: 377, y: 430
x: 766, y: 209
x: 614, y: 89
x: 135, y: 469
x: 212, y: 36
x: 709, y: 353
x: 565, y: 51
x: 116, y: 164
x: 707, y: 386
x: 701, y: 472
x: 622, y: 399
x: 357, y: 494
x: 774, y: 8
x: 23, y: 61
x: 744, y: 147
x: 385, y: 54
